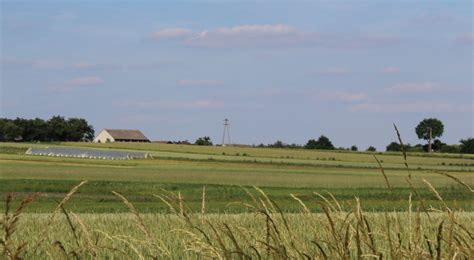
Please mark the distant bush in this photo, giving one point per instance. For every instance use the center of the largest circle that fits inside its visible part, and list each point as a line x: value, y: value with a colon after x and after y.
x: 467, y: 146
x: 394, y: 147
x: 322, y: 143
x: 371, y: 149
x: 354, y: 148
x: 435, y: 146
x: 206, y: 141
x: 279, y: 144
x: 450, y: 149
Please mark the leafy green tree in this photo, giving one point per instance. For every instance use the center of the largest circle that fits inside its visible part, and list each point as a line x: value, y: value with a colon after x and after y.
x: 77, y: 129
x: 55, y: 129
x: 40, y: 132
x: 435, y: 146
x: 467, y: 145
x: 56, y: 126
x: 8, y: 130
x: 323, y: 143
x: 429, y: 129
x: 278, y: 144
x: 206, y: 140
x: 394, y: 147
x: 354, y: 148
x: 371, y: 149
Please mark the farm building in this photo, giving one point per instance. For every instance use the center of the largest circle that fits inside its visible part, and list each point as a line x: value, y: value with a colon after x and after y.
x: 120, y: 135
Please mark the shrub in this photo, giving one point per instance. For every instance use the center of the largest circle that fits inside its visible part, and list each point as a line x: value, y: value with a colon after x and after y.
x: 322, y: 143
x: 450, y: 149
x: 467, y: 146
x: 371, y: 149
x: 206, y: 140
x: 394, y: 147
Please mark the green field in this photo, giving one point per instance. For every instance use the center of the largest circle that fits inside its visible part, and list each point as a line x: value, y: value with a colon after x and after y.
x: 198, y: 202
x: 223, y: 170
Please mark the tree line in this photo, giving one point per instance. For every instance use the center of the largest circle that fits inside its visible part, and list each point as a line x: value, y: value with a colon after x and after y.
x: 57, y: 128
x: 429, y: 129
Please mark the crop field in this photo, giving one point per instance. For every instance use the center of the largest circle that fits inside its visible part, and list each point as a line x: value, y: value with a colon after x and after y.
x: 235, y: 202
x: 223, y: 170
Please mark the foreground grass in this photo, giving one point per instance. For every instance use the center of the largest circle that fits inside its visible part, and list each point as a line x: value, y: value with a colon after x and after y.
x: 266, y: 232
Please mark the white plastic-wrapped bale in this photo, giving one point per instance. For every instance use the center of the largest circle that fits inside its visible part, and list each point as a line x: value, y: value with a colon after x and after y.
x: 86, y: 153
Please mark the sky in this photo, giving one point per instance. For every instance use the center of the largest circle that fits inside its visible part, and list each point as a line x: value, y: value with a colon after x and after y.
x: 278, y: 70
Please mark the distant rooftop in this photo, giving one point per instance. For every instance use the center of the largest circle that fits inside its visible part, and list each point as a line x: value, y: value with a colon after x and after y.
x: 126, y: 134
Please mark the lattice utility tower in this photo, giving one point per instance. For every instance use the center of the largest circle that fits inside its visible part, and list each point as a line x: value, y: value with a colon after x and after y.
x: 226, y: 132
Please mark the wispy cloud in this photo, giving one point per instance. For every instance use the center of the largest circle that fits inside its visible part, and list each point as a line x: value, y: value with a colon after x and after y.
x: 13, y: 63
x: 172, y: 33
x: 332, y: 72
x: 344, y: 96
x: 62, y: 17
x: 270, y: 35
x: 391, y: 70
x: 200, y: 83
x: 412, y: 107
x: 430, y: 19
x: 413, y: 87
x: 196, y: 104
x: 465, y: 39
x: 76, y: 83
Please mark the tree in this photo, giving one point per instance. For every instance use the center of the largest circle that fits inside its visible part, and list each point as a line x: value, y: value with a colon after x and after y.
x: 278, y: 144
x: 322, y: 143
x: 467, y: 146
x: 394, y: 147
x: 354, y: 148
x: 77, y: 129
x: 206, y: 140
x: 428, y: 129
x: 371, y: 149
x: 9, y: 131
x: 55, y: 129
x: 435, y: 146
x: 56, y: 126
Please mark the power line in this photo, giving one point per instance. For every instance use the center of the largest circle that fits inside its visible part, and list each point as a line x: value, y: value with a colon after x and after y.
x: 226, y: 131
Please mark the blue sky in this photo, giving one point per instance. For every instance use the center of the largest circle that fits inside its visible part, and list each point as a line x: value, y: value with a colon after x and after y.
x: 285, y: 70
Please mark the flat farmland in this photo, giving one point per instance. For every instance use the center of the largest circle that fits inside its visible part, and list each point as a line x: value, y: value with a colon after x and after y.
x: 224, y: 171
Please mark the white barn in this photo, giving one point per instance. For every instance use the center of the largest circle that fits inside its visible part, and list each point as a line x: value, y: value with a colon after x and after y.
x: 120, y: 135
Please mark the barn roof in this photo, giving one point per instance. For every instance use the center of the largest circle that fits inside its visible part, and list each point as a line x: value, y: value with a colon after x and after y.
x: 125, y: 134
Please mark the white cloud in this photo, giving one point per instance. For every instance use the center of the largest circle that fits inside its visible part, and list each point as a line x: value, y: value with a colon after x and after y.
x: 431, y: 19
x: 85, y: 81
x: 255, y: 29
x: 391, y: 70
x: 200, y: 83
x: 77, y: 83
x: 172, y: 33
x: 344, y: 96
x: 333, y: 72
x: 413, y: 87
x: 412, y: 107
x: 195, y: 104
x: 62, y: 17
x: 12, y: 63
x: 465, y: 39
x: 269, y: 35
